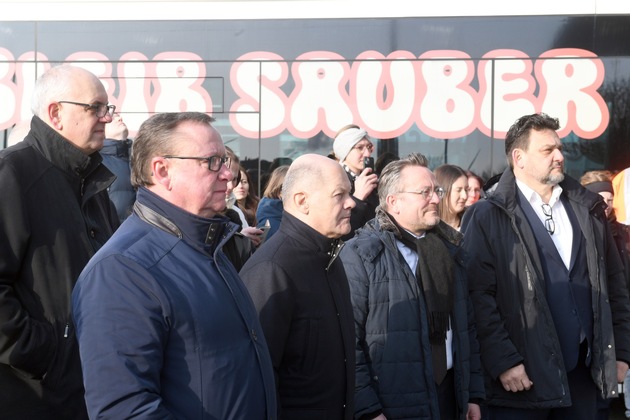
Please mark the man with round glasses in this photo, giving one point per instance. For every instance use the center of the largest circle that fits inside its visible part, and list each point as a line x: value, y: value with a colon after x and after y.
x: 417, y: 355
x: 547, y: 285
x: 165, y: 325
x: 351, y: 146
x: 54, y: 215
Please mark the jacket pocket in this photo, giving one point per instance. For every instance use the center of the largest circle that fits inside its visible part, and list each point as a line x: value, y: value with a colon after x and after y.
x: 304, y: 414
x: 308, y: 344
x: 64, y: 337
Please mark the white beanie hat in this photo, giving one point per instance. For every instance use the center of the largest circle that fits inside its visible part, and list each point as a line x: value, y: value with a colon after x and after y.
x: 346, y: 140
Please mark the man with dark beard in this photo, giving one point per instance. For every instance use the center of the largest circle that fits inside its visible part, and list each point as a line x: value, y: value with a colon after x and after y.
x: 547, y: 285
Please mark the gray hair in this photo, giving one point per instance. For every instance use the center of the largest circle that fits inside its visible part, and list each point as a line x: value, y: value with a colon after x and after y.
x: 52, y: 86
x: 389, y: 182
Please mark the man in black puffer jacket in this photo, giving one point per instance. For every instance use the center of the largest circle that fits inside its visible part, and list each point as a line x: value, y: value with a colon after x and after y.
x: 417, y: 355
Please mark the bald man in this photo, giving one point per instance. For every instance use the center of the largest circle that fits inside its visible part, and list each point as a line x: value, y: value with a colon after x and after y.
x: 300, y: 291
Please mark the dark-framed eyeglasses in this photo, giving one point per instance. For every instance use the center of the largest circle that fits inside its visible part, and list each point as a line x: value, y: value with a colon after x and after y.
x: 550, y: 225
x: 362, y: 147
x: 214, y: 162
x: 427, y: 193
x: 99, y: 109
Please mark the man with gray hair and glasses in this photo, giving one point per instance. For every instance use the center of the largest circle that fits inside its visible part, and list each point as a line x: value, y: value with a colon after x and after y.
x: 54, y: 215
x: 416, y: 352
x: 547, y: 285
x: 165, y: 326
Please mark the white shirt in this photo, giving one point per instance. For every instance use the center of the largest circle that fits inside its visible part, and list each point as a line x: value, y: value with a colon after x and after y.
x: 411, y: 257
x: 563, y: 234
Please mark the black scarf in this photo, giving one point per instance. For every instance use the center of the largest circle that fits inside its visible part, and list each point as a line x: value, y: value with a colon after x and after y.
x: 434, y: 273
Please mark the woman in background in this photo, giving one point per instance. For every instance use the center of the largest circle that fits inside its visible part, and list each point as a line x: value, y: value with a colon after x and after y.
x: 454, y: 181
x: 475, y: 187
x: 270, y: 206
x: 246, y: 200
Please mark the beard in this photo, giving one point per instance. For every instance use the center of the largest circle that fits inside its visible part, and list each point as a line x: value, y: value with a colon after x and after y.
x: 554, y: 178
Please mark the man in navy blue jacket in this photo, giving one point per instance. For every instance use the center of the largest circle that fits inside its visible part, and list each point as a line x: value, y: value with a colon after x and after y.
x: 166, y: 328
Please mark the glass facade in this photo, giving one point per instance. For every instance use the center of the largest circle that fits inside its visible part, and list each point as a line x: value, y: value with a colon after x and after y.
x: 446, y: 87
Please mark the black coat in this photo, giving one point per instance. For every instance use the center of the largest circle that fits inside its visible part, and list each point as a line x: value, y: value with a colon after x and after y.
x: 304, y: 306
x: 363, y: 211
x: 54, y: 215
x: 514, y: 323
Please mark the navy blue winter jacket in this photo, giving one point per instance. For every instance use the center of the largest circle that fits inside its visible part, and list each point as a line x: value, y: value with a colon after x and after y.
x: 394, y: 373
x: 166, y: 328
x: 115, y: 155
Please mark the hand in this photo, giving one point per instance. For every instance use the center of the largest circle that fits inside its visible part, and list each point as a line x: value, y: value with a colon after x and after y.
x: 474, y: 412
x: 364, y: 184
x: 515, y: 379
x: 254, y: 234
x: 622, y: 369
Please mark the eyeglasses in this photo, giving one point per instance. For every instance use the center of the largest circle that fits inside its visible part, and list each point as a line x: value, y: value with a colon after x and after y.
x: 550, y: 225
x: 362, y: 147
x: 214, y: 162
x: 99, y: 109
x: 427, y: 193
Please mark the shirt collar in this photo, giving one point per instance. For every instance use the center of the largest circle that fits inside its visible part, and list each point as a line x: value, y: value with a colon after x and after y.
x: 534, y: 198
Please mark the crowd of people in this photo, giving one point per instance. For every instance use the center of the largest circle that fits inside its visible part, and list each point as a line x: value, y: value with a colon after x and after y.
x: 156, y: 283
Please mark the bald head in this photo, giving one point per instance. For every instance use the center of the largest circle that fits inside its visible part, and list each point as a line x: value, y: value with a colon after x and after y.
x: 316, y: 190
x: 304, y: 172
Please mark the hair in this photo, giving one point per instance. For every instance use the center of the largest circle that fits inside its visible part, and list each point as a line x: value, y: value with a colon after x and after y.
x: 52, y: 86
x: 471, y: 174
x: 298, y: 175
x: 158, y: 136
x: 383, y: 160
x: 235, y: 162
x: 249, y: 204
x: 389, y: 181
x: 446, y: 175
x: 596, y: 176
x: 603, y: 176
x: 517, y: 136
x: 233, y: 157
x: 274, y: 185
x: 346, y: 127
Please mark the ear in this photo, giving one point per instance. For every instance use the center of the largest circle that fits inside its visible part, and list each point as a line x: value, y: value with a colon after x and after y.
x: 300, y: 202
x: 160, y: 172
x: 517, y: 158
x: 392, y: 204
x: 54, y: 116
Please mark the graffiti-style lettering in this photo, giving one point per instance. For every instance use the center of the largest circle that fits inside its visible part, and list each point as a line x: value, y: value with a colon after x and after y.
x: 320, y: 91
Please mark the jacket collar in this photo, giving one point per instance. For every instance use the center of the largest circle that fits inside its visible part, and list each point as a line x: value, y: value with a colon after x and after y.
x: 310, y: 239
x: 59, y: 151
x: 506, y: 192
x: 441, y: 229
x: 118, y: 148
x: 201, y: 233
